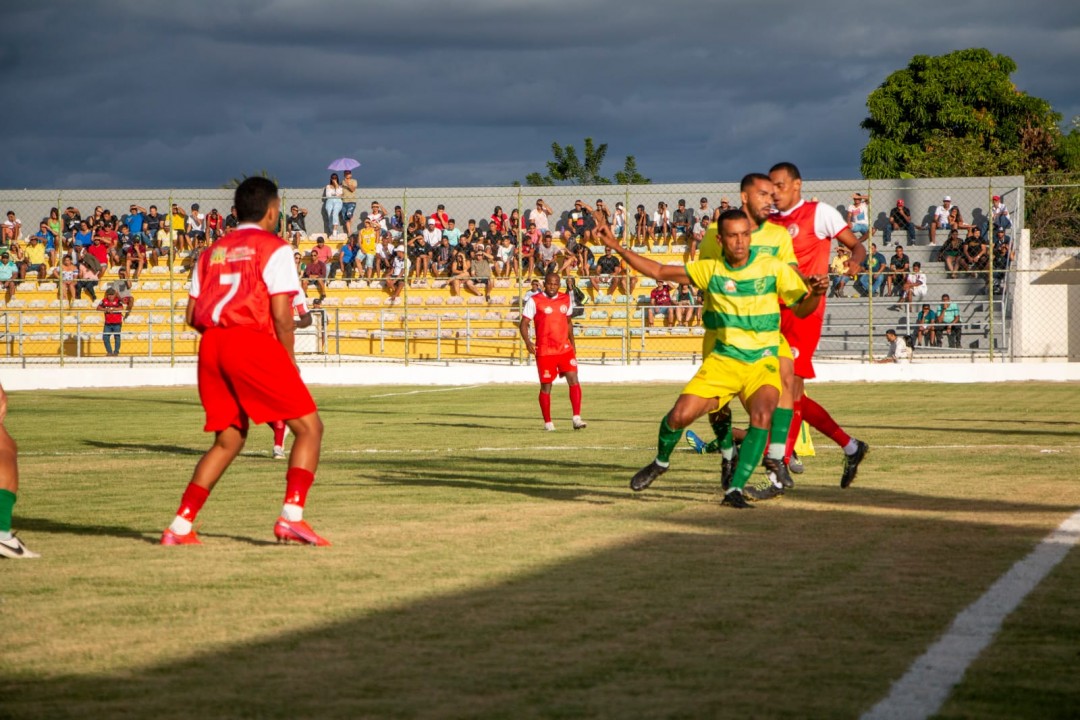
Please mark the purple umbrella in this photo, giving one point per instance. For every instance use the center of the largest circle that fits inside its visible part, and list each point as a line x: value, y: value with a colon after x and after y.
x: 344, y: 164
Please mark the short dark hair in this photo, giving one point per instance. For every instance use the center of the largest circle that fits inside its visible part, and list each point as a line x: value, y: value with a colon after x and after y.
x: 727, y: 215
x: 789, y: 167
x: 253, y: 197
x: 750, y: 178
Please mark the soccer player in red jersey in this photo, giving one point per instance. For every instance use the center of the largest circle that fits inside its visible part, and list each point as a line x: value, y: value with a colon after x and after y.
x: 241, y: 301
x: 554, y: 347
x: 812, y: 226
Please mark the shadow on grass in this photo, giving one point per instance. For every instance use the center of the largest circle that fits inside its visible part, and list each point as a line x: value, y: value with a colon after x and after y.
x: 667, y: 624
x: 34, y: 524
x: 147, y: 447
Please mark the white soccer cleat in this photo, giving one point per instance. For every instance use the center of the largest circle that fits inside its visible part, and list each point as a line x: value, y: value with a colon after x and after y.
x: 549, y: 426
x: 279, y: 452
x: 15, y: 550
x: 579, y: 424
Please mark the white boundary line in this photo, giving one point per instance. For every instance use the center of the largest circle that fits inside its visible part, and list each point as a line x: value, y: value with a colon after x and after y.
x: 929, y: 681
x: 421, y: 392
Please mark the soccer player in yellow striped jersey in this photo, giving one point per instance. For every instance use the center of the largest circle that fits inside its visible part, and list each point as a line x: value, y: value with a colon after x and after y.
x: 756, y: 192
x: 743, y: 361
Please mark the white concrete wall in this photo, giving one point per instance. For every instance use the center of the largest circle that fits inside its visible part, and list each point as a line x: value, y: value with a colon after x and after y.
x: 1041, y: 313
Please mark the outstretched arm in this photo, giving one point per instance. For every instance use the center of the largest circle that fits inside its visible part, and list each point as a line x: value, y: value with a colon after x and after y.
x: 644, y: 265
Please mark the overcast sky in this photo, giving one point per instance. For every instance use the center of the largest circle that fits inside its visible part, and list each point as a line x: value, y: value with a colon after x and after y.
x: 152, y: 93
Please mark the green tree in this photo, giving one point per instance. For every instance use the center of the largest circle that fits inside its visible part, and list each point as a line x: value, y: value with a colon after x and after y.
x: 957, y: 114
x: 235, y: 182
x: 568, y: 168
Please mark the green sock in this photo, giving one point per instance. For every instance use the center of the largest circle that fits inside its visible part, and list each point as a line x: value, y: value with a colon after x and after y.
x: 7, y: 504
x: 666, y: 441
x: 749, y: 455
x: 781, y: 423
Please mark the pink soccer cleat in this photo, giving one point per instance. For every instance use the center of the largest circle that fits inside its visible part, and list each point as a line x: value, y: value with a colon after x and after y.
x: 170, y: 538
x: 300, y: 532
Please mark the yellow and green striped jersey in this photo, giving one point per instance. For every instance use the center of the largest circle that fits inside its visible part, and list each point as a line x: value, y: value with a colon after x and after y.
x: 769, y: 238
x: 742, y: 306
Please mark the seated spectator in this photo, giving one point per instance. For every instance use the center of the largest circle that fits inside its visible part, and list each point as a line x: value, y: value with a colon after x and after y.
x: 900, y: 219
x: 441, y: 257
x: 899, y: 266
x: 178, y: 224
x: 683, y: 308
x: 661, y: 222
x: 859, y: 216
x: 999, y: 213
x: 547, y: 256
x: 974, y: 255
x: 539, y: 215
x: 315, y: 272
x: 196, y: 225
x: 163, y: 245
x: 682, y: 220
x: 915, y: 288
x: 701, y: 226
x: 135, y: 258
x: 578, y: 225
x: 956, y: 220
x: 950, y: 253
x: 11, y: 229
x: 460, y: 273
x: 384, y: 257
x: 88, y: 277
x: 370, y: 247
x: 345, y: 261
x: 442, y: 218
x: 660, y: 304
x: 941, y: 218
x: 99, y: 252
x: 35, y: 259
x: 135, y: 222
x: 432, y: 234
x: 526, y: 253
x: 948, y: 322
x: 874, y: 269
x: 452, y: 232
x: 839, y: 270
x: 899, y: 352
x: 119, y: 251
x: 395, y: 224
x: 481, y: 270
x: 643, y: 227
x: 122, y: 287
x: 296, y: 225
x: 231, y: 220
x: 395, y: 278
x: 70, y: 221
x: 577, y: 296
x: 9, y: 275
x: 618, y: 221
x: 926, y: 323
x: 610, y: 269
x: 84, y: 237
x: 534, y: 288
x: 506, y: 264
x: 498, y: 221
x: 68, y: 276
x: 419, y: 256
x: 50, y: 240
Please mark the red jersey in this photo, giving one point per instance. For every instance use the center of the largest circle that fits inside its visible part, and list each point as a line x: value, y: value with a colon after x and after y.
x: 113, y: 307
x: 812, y: 226
x: 551, y: 316
x: 236, y: 276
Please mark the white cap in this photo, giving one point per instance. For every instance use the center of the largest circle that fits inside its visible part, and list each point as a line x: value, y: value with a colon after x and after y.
x: 399, y: 248
x: 946, y: 199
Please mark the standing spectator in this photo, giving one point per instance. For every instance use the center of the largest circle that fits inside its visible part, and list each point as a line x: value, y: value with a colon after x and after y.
x: 660, y: 304
x: 1002, y: 257
x: 332, y: 194
x: 899, y: 352
x: 11, y: 229
x: 661, y: 221
x: 900, y: 219
x: 874, y: 269
x: 296, y: 225
x: 348, y: 200
x: 114, y: 321
x: 948, y: 321
x: 914, y: 285
x: 540, y: 215
x: 941, y: 218
x: 88, y: 277
x: 69, y: 275
x: 9, y: 275
x: 554, y: 348
x: 838, y: 269
x: 899, y: 266
x: 1000, y: 215
x: 859, y: 216
x: 215, y: 225
x: 246, y: 322
x: 926, y: 324
x: 122, y: 287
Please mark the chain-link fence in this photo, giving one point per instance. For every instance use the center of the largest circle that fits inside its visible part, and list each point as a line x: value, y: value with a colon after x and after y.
x: 1005, y: 300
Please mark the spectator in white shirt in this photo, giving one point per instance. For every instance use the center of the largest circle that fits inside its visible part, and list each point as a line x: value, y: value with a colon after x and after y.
x: 915, y: 285
x: 899, y: 352
x: 941, y: 218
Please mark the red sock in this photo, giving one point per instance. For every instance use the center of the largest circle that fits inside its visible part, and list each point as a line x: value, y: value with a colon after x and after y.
x: 822, y: 421
x: 545, y: 406
x: 192, y: 501
x: 279, y: 432
x: 794, y: 430
x: 575, y: 399
x: 297, y: 483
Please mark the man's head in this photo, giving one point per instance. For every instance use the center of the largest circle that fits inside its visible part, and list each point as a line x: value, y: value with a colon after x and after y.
x: 724, y: 204
x: 916, y: 266
x: 33, y: 240
x: 900, y: 203
x: 111, y: 292
x: 945, y: 297
x: 704, y: 202
x: 4, y: 257
x: 899, y: 250
x: 320, y: 241
x: 348, y: 174
x: 890, y: 334
x: 997, y: 198
x: 946, y: 201
x: 257, y: 201
x: 734, y: 235
x: 787, y: 185
x: 756, y: 191
x: 873, y: 248
x: 551, y: 284
x: 535, y: 284
x: 431, y: 223
x: 682, y: 204
x: 122, y: 272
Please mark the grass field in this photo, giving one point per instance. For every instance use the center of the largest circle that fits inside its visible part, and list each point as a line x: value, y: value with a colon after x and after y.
x: 483, y: 568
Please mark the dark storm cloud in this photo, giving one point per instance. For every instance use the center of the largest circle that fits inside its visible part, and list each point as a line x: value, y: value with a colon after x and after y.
x: 153, y: 93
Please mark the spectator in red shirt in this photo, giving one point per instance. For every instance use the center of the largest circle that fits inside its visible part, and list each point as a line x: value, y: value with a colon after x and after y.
x: 99, y: 251
x: 660, y: 304
x: 441, y: 218
x: 215, y: 225
x: 498, y: 220
x: 115, y: 312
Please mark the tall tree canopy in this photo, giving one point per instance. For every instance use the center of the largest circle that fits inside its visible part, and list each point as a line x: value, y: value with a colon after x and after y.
x: 958, y: 114
x: 567, y: 167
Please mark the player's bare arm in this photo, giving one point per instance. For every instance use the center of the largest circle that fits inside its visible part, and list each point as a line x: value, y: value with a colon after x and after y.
x: 523, y: 328
x: 644, y: 265
x: 281, y: 308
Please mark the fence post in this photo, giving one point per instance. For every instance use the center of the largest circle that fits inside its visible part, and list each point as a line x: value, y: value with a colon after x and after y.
x: 990, y: 266
x: 408, y: 263
x: 172, y: 291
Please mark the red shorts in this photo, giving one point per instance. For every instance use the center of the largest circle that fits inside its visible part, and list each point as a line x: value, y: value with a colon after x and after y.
x: 552, y: 366
x: 803, y: 335
x: 245, y: 375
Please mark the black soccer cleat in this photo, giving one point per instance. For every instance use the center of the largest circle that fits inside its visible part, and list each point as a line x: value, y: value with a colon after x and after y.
x: 851, y: 464
x: 735, y: 499
x: 768, y: 491
x: 644, y: 477
x: 778, y: 472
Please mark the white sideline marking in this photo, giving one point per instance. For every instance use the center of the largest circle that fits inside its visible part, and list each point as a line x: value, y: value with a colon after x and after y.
x: 419, y: 392
x: 930, y: 679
